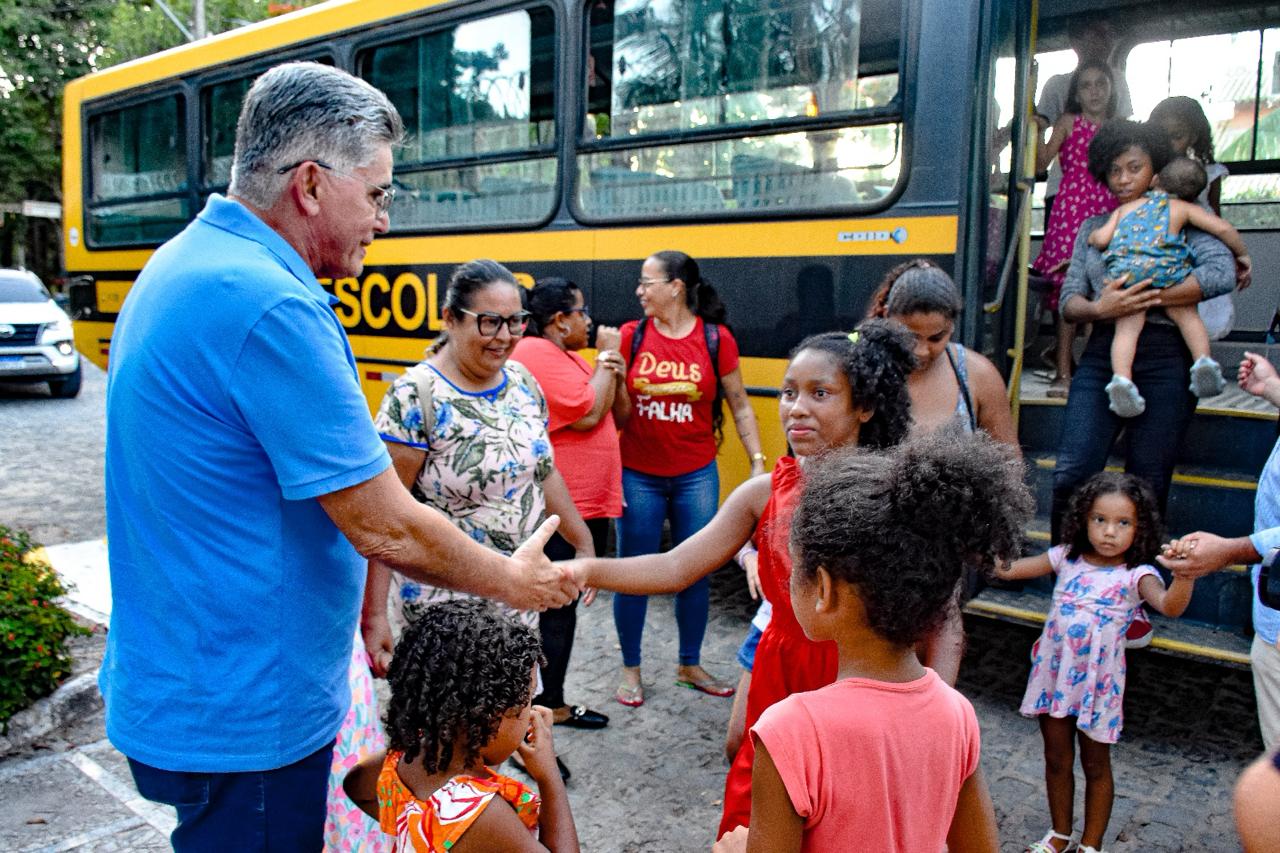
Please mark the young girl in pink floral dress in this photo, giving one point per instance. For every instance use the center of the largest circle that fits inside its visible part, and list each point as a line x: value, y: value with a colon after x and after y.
x: 1092, y: 100
x: 1112, y: 534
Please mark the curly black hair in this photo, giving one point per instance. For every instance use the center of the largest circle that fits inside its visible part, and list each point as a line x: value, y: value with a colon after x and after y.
x: 1146, y: 538
x: 876, y: 358
x: 1119, y: 135
x: 903, y: 525
x: 457, y: 670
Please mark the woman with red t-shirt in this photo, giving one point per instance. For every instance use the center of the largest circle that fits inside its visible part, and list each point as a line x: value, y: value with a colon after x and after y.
x: 669, y: 443
x: 580, y: 404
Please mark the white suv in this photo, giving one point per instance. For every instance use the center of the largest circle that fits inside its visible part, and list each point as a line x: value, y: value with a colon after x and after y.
x: 35, y: 336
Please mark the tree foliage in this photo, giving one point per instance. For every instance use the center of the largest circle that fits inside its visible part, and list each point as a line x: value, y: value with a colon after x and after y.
x: 136, y: 29
x: 43, y: 44
x: 46, y: 43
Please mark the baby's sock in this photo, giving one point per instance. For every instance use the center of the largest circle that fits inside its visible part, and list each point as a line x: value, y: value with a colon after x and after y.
x: 1206, y: 377
x: 1125, y: 399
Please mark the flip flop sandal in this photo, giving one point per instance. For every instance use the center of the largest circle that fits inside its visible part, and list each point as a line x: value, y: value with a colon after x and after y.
x: 710, y: 686
x: 631, y: 695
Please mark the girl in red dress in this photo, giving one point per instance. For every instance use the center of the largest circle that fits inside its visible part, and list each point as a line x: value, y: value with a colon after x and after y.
x: 839, y: 390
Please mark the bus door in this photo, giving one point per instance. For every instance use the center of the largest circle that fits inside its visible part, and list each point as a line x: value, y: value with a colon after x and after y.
x: 997, y: 193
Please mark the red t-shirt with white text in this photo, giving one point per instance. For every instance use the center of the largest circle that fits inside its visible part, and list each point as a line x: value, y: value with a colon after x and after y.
x: 672, y: 388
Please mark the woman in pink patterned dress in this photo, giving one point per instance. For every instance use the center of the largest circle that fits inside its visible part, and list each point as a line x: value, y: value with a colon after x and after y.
x: 1092, y: 100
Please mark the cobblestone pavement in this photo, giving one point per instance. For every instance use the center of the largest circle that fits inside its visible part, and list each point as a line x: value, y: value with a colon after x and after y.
x: 51, y: 460
x: 652, y: 780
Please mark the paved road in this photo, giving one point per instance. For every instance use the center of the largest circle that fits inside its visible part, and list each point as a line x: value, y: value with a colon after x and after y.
x: 652, y: 780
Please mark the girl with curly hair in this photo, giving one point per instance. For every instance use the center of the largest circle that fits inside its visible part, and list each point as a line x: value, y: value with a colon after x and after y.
x: 462, y: 681
x: 839, y: 390
x: 1111, y: 535
x: 879, y: 542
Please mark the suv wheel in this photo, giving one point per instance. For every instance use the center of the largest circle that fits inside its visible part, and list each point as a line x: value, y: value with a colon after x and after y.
x: 68, y: 387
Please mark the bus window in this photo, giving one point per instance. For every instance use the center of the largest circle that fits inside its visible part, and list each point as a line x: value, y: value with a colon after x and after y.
x: 138, y: 165
x: 1235, y: 78
x: 660, y: 69
x: 220, y: 110
x: 483, y: 89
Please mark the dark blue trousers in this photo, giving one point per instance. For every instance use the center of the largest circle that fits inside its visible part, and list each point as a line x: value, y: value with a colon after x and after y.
x: 276, y: 810
x: 1089, y: 428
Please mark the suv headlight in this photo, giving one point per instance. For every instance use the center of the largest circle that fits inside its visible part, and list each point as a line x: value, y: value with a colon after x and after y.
x: 59, y: 330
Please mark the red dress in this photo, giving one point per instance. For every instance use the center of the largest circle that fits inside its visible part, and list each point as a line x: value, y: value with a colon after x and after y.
x: 786, y: 660
x: 1079, y: 197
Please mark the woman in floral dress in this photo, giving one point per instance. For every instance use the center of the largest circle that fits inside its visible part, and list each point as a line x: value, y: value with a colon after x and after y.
x: 1091, y: 101
x: 467, y: 433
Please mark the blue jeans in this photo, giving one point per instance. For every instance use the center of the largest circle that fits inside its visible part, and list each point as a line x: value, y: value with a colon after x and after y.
x: 1089, y: 428
x: 688, y: 501
x: 281, y: 809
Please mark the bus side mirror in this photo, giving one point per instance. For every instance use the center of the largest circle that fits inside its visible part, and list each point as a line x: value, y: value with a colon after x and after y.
x: 81, y: 302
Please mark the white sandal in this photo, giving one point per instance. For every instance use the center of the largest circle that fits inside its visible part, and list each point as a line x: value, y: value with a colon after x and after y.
x: 1085, y: 848
x: 1045, y: 845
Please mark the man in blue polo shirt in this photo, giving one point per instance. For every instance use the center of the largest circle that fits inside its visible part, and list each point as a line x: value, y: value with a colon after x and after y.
x: 246, y: 484
x: 1200, y: 553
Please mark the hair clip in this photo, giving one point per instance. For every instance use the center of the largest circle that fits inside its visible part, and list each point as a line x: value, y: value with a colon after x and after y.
x: 854, y: 336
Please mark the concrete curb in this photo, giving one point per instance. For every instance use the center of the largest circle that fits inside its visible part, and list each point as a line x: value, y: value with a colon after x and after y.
x: 74, y: 700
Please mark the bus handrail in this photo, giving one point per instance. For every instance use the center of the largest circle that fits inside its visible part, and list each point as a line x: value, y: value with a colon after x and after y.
x: 1011, y: 254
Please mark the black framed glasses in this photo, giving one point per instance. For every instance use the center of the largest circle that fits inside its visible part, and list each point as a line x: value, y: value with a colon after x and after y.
x: 489, y: 323
x: 381, y: 198
x: 585, y: 310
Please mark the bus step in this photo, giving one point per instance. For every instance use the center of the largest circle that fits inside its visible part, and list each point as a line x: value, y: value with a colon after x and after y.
x: 1179, y: 637
x: 1231, y: 432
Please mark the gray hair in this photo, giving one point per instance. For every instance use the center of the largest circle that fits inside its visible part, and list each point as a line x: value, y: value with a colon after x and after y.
x: 307, y: 111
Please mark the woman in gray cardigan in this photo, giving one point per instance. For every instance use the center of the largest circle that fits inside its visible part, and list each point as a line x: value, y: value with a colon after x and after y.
x: 1118, y: 153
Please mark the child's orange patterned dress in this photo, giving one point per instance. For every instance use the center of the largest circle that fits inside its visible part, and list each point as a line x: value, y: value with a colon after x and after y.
x: 435, y: 825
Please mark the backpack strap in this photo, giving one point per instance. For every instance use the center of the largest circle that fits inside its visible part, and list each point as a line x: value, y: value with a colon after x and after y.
x: 711, y: 333
x: 424, y: 379
x: 638, y: 336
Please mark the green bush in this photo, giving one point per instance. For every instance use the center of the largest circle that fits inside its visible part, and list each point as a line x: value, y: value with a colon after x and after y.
x: 33, y: 628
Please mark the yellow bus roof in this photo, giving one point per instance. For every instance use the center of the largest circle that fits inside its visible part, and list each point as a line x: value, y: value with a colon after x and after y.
x: 304, y: 25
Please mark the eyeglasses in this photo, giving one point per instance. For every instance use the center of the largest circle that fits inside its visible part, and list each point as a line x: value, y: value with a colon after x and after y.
x: 584, y: 310
x: 489, y: 324
x: 382, y: 196
x: 646, y: 283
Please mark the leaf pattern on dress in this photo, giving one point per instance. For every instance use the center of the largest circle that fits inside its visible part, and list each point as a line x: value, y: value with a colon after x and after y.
x: 489, y: 454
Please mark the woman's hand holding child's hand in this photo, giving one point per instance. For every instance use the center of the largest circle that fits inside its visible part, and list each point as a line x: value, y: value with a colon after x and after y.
x: 538, y: 751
